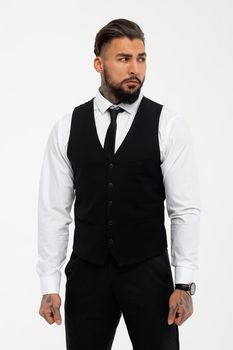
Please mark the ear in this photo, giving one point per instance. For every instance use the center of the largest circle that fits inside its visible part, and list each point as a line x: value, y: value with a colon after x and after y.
x: 98, y: 64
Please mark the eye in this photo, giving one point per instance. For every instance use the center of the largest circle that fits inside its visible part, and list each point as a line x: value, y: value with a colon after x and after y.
x: 142, y: 59
x: 123, y: 59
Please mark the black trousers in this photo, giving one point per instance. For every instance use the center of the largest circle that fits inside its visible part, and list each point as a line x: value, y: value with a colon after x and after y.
x: 97, y: 295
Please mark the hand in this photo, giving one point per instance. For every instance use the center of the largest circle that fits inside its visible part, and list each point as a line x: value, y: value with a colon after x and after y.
x: 180, y: 307
x: 49, y: 308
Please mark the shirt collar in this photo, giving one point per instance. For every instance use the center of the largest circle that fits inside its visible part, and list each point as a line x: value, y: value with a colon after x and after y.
x: 103, y: 104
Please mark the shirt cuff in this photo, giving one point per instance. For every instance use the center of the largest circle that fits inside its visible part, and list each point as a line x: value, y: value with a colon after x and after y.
x: 183, y: 275
x: 50, y: 284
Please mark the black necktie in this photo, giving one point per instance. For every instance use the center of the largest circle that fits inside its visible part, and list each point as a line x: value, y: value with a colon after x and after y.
x: 109, y: 143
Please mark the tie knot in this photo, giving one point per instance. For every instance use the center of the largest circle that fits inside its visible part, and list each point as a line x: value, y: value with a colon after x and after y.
x: 114, y: 112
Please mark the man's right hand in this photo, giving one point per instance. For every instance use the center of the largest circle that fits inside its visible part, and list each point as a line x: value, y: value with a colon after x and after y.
x: 50, y: 308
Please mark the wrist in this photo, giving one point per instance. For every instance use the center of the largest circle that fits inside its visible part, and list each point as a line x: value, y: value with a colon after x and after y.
x: 190, y: 288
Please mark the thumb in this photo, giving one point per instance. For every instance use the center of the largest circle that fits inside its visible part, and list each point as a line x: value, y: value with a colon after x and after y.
x: 56, y: 314
x: 172, y: 314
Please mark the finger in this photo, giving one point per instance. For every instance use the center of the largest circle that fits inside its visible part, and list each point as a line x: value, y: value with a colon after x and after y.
x: 172, y: 313
x: 182, y: 316
x: 45, y: 314
x: 184, y: 312
x: 180, y: 319
x: 56, y: 314
x: 179, y: 316
x: 48, y: 316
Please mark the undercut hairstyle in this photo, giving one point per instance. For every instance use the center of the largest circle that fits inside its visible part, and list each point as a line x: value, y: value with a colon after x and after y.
x: 117, y: 28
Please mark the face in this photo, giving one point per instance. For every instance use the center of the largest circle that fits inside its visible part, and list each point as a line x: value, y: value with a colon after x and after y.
x: 122, y: 65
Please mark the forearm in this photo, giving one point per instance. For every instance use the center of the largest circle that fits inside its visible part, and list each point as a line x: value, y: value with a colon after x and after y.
x: 55, y: 199
x: 185, y: 234
x: 52, y: 249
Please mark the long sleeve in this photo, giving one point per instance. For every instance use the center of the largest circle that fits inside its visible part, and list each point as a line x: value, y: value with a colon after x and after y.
x: 181, y: 184
x: 56, y: 195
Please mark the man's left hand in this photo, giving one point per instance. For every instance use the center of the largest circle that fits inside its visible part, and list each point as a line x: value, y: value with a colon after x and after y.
x: 180, y: 307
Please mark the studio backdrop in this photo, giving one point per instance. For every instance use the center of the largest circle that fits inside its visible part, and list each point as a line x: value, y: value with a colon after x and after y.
x: 46, y: 69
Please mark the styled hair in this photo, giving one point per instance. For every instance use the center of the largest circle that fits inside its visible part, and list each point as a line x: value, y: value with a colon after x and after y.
x: 116, y: 29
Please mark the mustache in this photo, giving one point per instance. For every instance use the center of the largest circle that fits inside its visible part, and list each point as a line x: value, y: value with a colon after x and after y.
x: 132, y: 78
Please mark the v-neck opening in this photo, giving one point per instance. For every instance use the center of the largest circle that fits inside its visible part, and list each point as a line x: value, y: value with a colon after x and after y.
x: 128, y: 134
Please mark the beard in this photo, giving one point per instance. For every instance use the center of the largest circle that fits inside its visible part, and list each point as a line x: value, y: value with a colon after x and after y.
x: 118, y: 91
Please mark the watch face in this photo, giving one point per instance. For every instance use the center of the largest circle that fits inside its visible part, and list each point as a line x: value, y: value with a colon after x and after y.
x: 192, y: 288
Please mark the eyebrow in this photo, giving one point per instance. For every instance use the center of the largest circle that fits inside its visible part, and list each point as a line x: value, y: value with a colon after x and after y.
x: 122, y: 54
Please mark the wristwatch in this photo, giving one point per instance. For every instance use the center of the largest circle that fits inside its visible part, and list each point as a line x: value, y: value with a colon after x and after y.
x: 189, y: 288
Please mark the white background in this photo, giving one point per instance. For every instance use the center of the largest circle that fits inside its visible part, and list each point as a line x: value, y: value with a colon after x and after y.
x: 46, y: 70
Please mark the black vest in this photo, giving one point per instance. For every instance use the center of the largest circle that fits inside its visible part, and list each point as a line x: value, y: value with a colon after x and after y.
x: 119, y: 204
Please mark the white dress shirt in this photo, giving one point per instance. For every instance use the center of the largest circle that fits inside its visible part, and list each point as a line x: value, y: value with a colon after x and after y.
x: 56, y: 193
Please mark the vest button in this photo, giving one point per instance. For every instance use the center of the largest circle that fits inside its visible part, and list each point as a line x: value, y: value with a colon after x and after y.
x: 110, y: 184
x: 110, y: 241
x: 110, y: 165
x: 109, y: 203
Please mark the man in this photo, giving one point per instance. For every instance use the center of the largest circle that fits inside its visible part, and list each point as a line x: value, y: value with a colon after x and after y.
x: 120, y: 155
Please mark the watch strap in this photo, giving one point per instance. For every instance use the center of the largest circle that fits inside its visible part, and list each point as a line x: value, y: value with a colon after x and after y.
x: 182, y: 286
x: 189, y: 288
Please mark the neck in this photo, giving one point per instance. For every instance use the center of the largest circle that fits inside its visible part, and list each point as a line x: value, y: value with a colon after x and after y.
x: 108, y: 95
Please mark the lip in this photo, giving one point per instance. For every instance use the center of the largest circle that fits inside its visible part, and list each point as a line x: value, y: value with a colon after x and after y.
x: 132, y: 81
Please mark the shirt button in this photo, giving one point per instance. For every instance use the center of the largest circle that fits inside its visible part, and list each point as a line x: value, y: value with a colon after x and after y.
x: 110, y: 165
x: 110, y: 184
x: 110, y: 241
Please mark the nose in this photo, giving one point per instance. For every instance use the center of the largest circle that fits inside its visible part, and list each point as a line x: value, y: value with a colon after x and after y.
x: 133, y: 67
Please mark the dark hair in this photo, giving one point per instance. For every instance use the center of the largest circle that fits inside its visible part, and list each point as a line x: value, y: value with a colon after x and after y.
x: 116, y: 29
